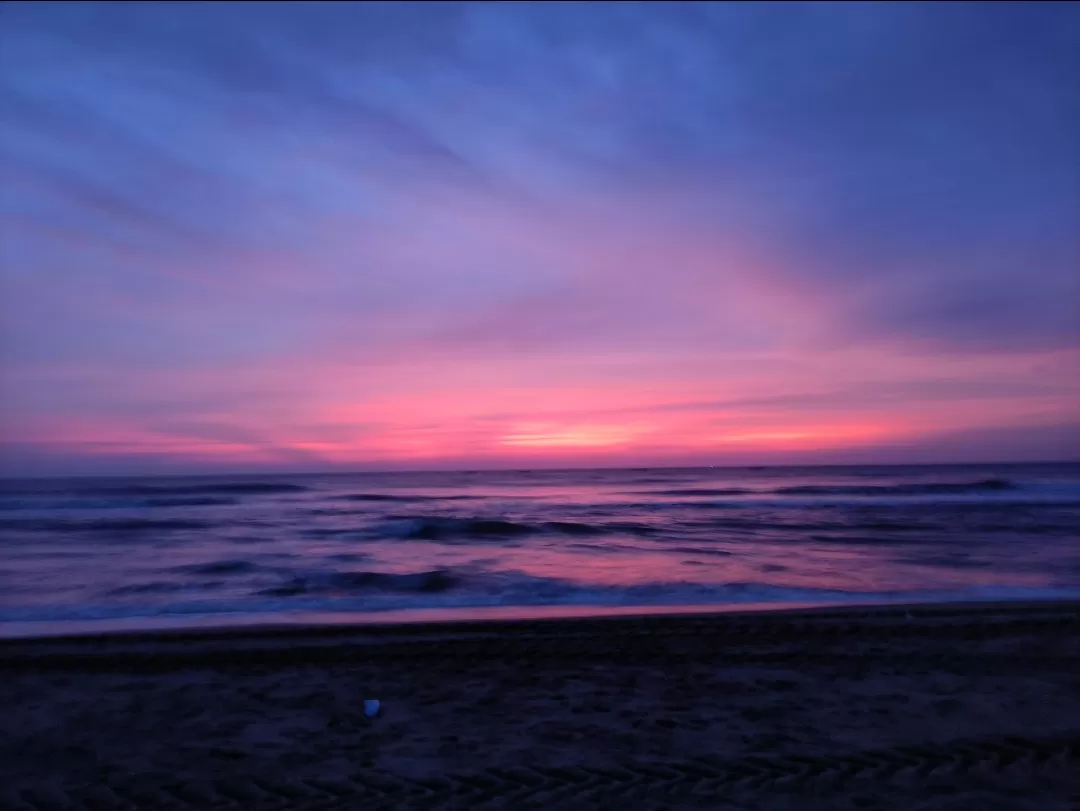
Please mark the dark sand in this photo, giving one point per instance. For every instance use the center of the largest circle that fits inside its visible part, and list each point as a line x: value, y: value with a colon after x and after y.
x: 933, y: 708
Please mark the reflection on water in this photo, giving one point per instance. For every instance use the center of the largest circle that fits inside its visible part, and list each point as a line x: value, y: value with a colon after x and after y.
x: 210, y: 549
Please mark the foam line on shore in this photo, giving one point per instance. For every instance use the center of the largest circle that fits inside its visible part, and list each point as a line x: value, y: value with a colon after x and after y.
x: 299, y: 644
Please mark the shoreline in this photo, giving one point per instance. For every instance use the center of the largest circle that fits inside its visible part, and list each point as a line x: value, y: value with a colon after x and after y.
x: 490, y: 618
x: 578, y: 637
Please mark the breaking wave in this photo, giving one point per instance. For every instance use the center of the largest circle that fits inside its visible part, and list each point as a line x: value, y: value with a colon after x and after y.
x: 219, y: 567
x: 430, y: 582
x: 439, y: 589
x: 450, y: 529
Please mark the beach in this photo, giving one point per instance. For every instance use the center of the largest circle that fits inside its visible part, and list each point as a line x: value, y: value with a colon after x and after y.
x: 921, y: 706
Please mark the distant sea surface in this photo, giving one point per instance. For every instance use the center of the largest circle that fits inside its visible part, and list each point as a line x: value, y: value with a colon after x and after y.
x: 153, y: 552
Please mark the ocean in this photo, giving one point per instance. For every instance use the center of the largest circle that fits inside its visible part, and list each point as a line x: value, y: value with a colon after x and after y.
x: 82, y: 554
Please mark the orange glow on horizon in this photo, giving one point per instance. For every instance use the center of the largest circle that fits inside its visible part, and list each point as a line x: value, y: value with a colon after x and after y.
x: 588, y: 436
x: 491, y: 425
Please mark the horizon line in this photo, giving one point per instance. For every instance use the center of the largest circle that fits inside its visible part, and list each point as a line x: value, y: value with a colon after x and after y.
x: 541, y: 469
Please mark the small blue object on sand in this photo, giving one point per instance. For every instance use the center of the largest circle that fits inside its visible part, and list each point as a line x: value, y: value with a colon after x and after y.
x: 372, y: 708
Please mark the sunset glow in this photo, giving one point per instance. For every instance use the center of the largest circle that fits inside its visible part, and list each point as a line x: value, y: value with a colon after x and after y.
x: 325, y: 236
x: 571, y: 437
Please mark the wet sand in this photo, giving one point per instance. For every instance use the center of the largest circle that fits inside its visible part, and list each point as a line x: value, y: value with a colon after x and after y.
x: 932, y: 707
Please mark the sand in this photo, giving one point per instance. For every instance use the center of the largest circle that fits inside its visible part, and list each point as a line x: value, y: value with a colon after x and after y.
x: 940, y: 707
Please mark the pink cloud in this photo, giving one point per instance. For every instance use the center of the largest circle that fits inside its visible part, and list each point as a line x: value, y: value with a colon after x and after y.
x: 520, y: 331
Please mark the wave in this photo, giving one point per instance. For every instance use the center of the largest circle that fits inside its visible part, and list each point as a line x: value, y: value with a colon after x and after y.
x: 630, y: 528
x: 605, y: 548
x: 948, y: 561
x: 70, y: 504
x: 38, y: 505
x: 138, y: 496
x: 102, y: 524
x: 919, y: 489
x: 254, y: 488
x: 912, y: 489
x: 338, y: 511
x: 219, y: 567
x: 395, y: 497
x: 698, y: 550
x: 192, y: 501
x: 698, y: 491
x: 893, y: 526
x: 431, y: 582
x: 855, y: 540
x: 797, y: 524
x: 443, y: 529
x: 350, y: 533
x: 447, y: 529
x: 515, y: 588
x: 160, y: 587
x: 575, y: 528
x: 953, y: 501
x: 376, y: 592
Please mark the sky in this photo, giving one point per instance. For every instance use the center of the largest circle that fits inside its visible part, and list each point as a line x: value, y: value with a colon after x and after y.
x: 332, y: 236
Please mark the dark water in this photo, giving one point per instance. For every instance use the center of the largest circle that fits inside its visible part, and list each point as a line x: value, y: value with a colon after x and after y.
x: 158, y: 550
